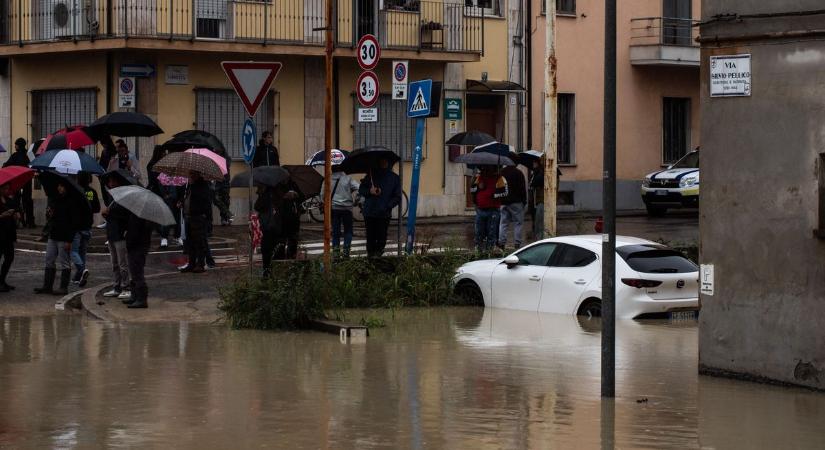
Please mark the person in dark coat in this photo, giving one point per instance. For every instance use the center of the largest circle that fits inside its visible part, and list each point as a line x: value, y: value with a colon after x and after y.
x: 222, y: 190
x: 279, y: 210
x: 9, y: 212
x: 197, y: 208
x: 64, y: 225
x: 21, y: 158
x: 138, y: 240
x: 117, y: 218
x: 512, y: 207
x: 381, y: 190
x: 81, y: 239
x: 266, y: 154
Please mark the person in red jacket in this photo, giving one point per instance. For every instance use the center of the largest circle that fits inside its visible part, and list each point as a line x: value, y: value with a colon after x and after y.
x: 488, y: 189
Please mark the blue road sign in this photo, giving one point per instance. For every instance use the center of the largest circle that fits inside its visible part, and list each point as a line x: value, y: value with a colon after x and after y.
x: 137, y: 70
x: 248, y: 138
x: 418, y: 100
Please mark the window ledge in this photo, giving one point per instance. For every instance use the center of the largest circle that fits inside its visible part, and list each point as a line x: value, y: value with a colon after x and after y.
x: 567, y: 15
x: 571, y: 165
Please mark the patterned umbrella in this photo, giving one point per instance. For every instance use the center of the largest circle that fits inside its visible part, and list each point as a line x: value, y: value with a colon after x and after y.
x: 319, y: 158
x: 186, y: 164
x: 219, y: 160
x: 143, y: 203
x: 16, y: 177
x: 67, y: 161
x: 167, y: 180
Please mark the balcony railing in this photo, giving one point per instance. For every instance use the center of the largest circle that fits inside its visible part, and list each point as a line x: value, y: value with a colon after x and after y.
x: 664, y: 31
x: 447, y: 26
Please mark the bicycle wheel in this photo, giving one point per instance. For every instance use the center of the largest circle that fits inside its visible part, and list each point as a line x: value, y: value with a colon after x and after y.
x: 315, y: 210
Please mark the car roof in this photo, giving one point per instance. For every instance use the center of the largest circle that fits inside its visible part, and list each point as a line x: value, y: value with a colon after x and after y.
x: 594, y: 241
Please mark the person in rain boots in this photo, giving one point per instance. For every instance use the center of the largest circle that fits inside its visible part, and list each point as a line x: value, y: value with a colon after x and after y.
x: 138, y: 241
x: 197, y: 207
x: 8, y: 233
x: 59, y: 246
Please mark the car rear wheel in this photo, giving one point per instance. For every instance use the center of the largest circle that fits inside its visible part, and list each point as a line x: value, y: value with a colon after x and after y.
x: 656, y: 211
x: 591, y: 308
x: 468, y: 293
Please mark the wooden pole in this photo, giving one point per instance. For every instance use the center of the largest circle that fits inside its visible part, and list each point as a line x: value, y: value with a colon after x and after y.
x: 550, y: 121
x: 328, y: 137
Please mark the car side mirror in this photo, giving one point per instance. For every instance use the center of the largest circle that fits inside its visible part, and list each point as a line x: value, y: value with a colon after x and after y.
x: 511, y: 261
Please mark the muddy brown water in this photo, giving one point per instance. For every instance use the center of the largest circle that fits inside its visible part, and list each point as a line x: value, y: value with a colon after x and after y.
x: 464, y: 378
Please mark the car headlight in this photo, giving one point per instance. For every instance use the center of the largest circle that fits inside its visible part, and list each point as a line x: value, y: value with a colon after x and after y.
x: 646, y: 183
x: 688, y: 182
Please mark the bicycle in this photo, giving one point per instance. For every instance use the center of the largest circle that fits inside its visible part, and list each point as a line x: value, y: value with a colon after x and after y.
x: 315, y: 208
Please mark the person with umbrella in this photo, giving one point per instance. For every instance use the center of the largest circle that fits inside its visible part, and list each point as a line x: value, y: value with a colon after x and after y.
x: 67, y: 201
x: 266, y: 154
x: 343, y: 188
x: 9, y: 214
x: 222, y: 191
x: 80, y: 243
x: 381, y: 190
x: 20, y: 159
x: 488, y: 188
x: 197, y: 208
x: 117, y: 219
x: 125, y: 161
x: 276, y: 208
x: 513, y: 204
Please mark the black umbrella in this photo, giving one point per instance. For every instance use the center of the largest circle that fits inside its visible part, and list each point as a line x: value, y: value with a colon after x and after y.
x: 123, y: 176
x: 471, y: 138
x: 194, y: 139
x: 307, y: 179
x: 366, y: 159
x: 124, y: 124
x: 266, y: 175
x: 74, y: 193
x: 484, y: 159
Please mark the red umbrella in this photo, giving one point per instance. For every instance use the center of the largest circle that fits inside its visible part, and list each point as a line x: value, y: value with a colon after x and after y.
x: 16, y: 177
x: 74, y: 138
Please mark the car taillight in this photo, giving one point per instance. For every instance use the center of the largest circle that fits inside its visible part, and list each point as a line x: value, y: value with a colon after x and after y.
x: 640, y: 284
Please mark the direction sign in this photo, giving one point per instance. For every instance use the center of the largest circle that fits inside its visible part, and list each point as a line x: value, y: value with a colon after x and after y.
x: 369, y: 52
x: 137, y: 70
x: 367, y: 89
x: 248, y: 138
x: 251, y: 81
x: 418, y: 102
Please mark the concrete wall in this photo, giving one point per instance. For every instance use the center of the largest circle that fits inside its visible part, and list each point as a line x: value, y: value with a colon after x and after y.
x: 760, y: 204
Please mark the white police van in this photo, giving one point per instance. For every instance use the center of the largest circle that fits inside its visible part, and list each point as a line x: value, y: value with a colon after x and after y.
x: 675, y: 187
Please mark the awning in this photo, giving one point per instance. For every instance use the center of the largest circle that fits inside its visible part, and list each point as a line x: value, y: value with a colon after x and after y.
x: 493, y: 86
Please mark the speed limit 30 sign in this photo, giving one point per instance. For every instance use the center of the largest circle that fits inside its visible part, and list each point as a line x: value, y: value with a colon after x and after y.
x: 368, y: 52
x: 367, y: 89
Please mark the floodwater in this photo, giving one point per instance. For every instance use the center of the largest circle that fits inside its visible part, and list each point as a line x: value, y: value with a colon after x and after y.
x: 465, y: 378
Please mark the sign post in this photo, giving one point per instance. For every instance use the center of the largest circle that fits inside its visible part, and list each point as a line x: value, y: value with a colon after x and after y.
x: 251, y: 81
x: 418, y: 107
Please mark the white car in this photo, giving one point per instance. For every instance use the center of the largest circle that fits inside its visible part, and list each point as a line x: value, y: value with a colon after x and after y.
x: 563, y: 275
x: 675, y: 187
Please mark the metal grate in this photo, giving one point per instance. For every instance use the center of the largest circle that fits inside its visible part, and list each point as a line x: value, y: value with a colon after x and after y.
x: 393, y: 130
x: 219, y: 112
x: 566, y: 128
x: 52, y: 110
x: 675, y: 129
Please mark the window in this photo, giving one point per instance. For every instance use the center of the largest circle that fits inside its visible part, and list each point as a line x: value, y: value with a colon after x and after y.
x: 677, y: 26
x: 675, y: 129
x: 573, y: 256
x: 490, y: 7
x: 566, y: 128
x: 219, y: 112
x: 562, y: 7
x: 537, y: 255
x: 655, y: 259
x: 55, y: 109
x: 393, y: 130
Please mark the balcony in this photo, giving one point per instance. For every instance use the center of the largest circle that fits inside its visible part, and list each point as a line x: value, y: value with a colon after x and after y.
x: 664, y: 41
x: 446, y: 30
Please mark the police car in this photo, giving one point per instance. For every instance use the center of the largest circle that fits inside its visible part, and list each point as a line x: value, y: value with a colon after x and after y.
x: 675, y: 187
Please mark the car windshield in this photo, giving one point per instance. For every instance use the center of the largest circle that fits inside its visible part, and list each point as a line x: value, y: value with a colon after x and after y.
x: 655, y: 259
x: 690, y: 161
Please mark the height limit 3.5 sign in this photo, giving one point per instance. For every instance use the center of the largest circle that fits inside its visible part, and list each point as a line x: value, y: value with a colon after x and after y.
x: 367, y: 89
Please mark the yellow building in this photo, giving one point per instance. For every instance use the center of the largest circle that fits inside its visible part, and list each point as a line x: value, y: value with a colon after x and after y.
x: 64, y: 59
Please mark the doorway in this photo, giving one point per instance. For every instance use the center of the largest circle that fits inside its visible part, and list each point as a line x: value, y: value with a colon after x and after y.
x: 485, y: 113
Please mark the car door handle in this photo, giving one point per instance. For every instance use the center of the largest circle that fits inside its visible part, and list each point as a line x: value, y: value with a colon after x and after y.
x: 535, y: 278
x: 580, y: 282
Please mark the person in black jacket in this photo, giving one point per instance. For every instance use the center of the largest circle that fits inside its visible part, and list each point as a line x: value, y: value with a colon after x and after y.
x: 117, y: 219
x: 21, y: 158
x: 8, y: 233
x: 59, y: 246
x: 266, y: 154
x: 80, y: 244
x: 513, y: 207
x: 381, y: 189
x: 279, y: 210
x: 197, y: 208
x: 138, y: 240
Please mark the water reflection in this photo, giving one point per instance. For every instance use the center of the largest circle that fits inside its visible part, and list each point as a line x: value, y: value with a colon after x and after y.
x: 434, y: 378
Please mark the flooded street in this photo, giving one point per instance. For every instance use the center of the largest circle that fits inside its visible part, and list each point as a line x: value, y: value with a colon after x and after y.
x: 433, y: 378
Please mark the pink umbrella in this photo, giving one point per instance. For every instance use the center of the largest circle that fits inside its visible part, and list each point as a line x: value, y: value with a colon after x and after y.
x: 167, y: 180
x: 219, y: 160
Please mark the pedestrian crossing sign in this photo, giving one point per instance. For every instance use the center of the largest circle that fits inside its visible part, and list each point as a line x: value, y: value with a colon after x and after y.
x: 418, y: 102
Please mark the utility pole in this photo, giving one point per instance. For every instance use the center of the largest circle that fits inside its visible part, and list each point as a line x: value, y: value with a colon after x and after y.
x: 609, y: 206
x: 550, y: 120
x: 328, y: 137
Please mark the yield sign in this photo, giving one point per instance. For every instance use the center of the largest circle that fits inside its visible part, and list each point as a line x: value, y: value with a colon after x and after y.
x: 251, y: 81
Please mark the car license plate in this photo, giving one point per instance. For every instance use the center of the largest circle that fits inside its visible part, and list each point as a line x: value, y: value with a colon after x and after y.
x: 661, y: 192
x: 682, y: 316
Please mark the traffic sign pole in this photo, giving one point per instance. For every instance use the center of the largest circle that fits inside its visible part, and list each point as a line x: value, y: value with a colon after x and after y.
x: 248, y: 135
x: 418, y: 107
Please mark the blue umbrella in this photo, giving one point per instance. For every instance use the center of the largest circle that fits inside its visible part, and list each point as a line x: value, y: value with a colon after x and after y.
x: 67, y: 162
x: 319, y: 158
x: 496, y: 148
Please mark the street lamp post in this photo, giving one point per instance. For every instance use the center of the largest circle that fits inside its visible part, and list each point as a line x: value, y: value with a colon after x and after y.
x: 609, y: 206
x: 328, y: 136
x: 550, y: 120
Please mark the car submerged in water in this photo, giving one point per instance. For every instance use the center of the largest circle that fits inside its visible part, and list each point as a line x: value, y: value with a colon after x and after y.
x: 675, y: 187
x: 563, y: 275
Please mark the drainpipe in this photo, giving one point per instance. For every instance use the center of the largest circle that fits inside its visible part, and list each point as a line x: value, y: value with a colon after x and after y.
x: 336, y: 102
x: 109, y: 81
x: 520, y: 109
x: 528, y: 49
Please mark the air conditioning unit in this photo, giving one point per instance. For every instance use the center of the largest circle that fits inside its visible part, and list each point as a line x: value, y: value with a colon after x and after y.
x: 62, y: 19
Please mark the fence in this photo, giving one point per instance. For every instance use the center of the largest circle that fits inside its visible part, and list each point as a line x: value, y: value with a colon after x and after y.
x: 664, y: 31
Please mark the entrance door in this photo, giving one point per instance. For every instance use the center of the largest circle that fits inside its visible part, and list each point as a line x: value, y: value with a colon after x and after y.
x: 485, y: 113
x: 676, y: 22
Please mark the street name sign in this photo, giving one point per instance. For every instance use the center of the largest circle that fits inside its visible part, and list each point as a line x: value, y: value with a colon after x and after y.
x: 367, y: 89
x: 369, y: 52
x: 251, y: 81
x: 248, y: 140
x: 418, y: 103
x: 730, y: 76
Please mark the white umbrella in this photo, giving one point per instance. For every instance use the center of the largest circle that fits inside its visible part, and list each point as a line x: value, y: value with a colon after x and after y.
x: 143, y: 203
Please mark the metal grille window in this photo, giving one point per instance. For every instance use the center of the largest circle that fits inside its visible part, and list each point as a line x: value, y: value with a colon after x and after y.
x: 52, y: 110
x: 562, y: 7
x: 675, y: 129
x: 219, y: 112
x: 567, y: 128
x: 393, y: 129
